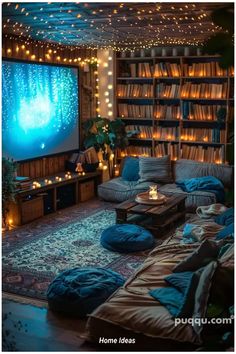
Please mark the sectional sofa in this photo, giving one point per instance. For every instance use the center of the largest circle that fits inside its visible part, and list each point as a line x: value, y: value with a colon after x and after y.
x: 119, y: 190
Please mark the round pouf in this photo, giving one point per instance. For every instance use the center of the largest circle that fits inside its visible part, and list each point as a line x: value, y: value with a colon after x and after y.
x: 79, y: 291
x: 126, y: 238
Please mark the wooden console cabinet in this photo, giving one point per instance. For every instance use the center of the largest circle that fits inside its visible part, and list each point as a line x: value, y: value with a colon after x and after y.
x: 30, y: 204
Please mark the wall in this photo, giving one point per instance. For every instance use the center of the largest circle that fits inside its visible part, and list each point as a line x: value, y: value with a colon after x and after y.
x: 34, y: 51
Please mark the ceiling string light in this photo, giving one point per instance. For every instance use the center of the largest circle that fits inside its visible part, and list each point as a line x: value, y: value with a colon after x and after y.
x: 111, y: 27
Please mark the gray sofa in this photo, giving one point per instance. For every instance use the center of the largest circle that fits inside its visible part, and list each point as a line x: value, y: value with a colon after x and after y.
x: 118, y: 190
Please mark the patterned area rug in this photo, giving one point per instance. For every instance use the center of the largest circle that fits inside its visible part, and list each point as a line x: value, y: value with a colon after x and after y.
x: 30, y: 265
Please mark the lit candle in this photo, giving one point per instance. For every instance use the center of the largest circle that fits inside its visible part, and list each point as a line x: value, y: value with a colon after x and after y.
x: 153, y: 192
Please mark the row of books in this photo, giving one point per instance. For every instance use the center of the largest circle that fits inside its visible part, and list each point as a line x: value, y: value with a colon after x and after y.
x: 133, y: 150
x: 191, y: 111
x: 167, y: 69
x: 168, y: 91
x: 146, y: 132
x: 135, y: 90
x: 189, y: 90
x: 203, y: 90
x: 167, y: 149
x: 194, y: 111
x: 204, y: 69
x: 135, y: 111
x: 167, y: 112
x: 197, y: 153
x: 204, y: 135
x: 203, y: 154
x: 159, y: 70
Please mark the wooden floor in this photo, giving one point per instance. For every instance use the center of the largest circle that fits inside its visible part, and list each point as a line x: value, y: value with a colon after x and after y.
x: 38, y: 329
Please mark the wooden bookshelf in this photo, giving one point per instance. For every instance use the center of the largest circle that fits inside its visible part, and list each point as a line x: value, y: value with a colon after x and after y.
x: 210, y: 88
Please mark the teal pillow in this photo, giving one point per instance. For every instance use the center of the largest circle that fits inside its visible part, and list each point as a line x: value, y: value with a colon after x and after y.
x: 227, y: 231
x: 130, y: 170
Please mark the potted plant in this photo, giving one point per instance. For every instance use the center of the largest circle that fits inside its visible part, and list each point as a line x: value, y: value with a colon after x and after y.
x: 8, y: 187
x: 106, y: 135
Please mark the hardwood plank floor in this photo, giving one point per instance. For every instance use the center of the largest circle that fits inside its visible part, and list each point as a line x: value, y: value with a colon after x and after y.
x: 38, y: 329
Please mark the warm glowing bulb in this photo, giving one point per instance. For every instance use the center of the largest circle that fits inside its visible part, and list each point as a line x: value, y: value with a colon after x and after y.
x: 109, y: 105
x: 110, y: 113
x: 109, y: 58
x: 106, y: 93
x: 33, y: 56
x: 105, y: 65
x: 27, y: 52
x: 109, y: 87
x: 23, y: 46
x: 109, y: 73
x: 107, y: 100
x: 8, y: 50
x: 10, y: 221
x: 58, y: 58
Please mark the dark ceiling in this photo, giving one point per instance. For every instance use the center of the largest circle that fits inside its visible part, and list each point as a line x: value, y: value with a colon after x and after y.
x: 115, y: 25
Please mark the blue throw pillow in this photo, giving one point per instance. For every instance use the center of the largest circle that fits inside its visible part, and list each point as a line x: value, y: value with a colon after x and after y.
x: 130, y: 170
x: 227, y: 231
x: 226, y: 218
x: 179, y: 297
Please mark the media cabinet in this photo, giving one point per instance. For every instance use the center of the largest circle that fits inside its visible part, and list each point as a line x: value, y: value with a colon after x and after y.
x: 52, y: 193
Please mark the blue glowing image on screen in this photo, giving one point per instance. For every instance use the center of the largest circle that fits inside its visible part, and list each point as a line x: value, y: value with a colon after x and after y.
x: 39, y: 110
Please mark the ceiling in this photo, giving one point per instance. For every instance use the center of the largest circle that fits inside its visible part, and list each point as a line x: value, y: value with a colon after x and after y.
x: 111, y: 25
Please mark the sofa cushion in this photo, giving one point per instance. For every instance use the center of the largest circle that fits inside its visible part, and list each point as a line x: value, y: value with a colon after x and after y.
x: 183, y: 169
x: 194, y: 199
x: 130, y: 171
x: 207, y: 251
x: 79, y: 291
x: 155, y: 169
x: 126, y: 238
x: 118, y: 190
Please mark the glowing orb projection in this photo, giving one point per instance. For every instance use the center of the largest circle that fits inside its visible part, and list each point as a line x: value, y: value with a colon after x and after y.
x: 39, y: 110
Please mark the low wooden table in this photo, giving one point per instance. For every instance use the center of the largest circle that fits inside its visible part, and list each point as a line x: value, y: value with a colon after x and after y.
x: 155, y: 218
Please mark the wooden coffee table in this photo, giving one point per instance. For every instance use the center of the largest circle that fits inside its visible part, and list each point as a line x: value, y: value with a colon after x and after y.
x: 155, y: 218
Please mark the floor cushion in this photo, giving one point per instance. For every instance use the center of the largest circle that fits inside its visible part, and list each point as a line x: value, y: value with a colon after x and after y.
x: 194, y: 199
x: 126, y: 238
x: 79, y: 291
x: 119, y: 190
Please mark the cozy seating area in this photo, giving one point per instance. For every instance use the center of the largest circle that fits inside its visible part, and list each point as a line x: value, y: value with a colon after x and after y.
x: 117, y: 177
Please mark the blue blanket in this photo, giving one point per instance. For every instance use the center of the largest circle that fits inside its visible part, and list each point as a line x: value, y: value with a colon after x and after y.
x: 207, y: 183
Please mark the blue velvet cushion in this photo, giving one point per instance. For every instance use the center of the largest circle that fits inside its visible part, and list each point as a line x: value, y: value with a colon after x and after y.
x: 179, y: 297
x: 130, y: 171
x: 206, y: 183
x: 226, y: 218
x: 227, y: 231
x: 126, y: 238
x: 79, y: 291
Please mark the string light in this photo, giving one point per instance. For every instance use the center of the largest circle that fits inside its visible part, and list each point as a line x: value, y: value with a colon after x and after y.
x: 154, y: 20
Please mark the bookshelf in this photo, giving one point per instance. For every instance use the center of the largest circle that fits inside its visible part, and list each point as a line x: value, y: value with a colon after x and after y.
x: 172, y: 102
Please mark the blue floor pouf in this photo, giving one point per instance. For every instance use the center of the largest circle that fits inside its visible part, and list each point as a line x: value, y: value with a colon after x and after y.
x: 79, y: 291
x: 126, y: 238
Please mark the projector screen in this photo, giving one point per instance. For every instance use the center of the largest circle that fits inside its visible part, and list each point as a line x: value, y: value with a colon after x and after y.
x: 39, y: 110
